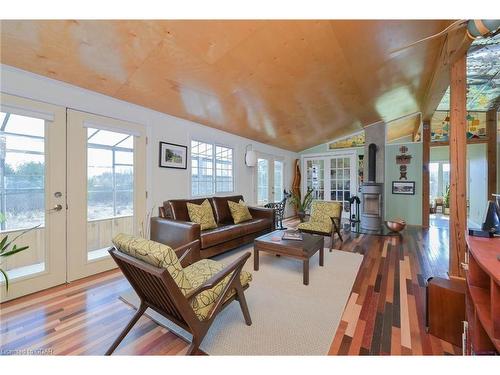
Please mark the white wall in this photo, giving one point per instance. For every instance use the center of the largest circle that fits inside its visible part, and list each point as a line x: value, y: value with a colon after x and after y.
x: 162, y: 183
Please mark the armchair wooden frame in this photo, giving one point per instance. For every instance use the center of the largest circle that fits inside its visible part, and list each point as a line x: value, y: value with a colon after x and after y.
x: 157, y: 290
x: 335, y: 230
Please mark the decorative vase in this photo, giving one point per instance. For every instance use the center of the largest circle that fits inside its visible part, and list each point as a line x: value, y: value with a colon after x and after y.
x: 301, y: 215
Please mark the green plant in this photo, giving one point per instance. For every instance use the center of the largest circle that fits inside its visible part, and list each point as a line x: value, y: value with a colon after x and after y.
x: 304, y: 204
x: 9, y: 248
x: 447, y: 196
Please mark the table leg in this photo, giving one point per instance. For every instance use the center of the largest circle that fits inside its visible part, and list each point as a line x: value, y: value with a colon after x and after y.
x: 321, y: 256
x: 306, y: 271
x: 255, y: 259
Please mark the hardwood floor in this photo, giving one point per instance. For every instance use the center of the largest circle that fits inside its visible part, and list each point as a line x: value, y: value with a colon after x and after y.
x: 385, y: 313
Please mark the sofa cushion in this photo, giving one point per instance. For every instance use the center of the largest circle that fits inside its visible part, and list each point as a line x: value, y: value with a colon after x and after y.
x: 156, y: 254
x: 202, y: 214
x: 239, y: 211
x: 255, y: 225
x: 221, y: 208
x: 176, y: 209
x: 220, y: 234
x: 200, y: 272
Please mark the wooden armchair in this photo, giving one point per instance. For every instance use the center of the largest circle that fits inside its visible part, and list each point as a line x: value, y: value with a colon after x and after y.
x: 325, y: 220
x: 191, y: 297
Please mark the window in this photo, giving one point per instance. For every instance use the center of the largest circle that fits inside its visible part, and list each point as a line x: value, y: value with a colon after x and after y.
x: 223, y: 169
x: 439, y: 173
x: 434, y: 179
x: 446, y: 176
x: 22, y: 172
x: 207, y: 158
x: 110, y: 174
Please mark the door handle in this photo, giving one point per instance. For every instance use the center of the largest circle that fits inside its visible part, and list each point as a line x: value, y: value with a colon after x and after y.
x: 57, y: 207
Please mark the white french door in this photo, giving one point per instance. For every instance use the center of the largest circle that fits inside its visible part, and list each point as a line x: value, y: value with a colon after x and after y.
x: 69, y: 181
x: 106, y: 188
x: 332, y: 176
x: 32, y: 194
x: 270, y: 175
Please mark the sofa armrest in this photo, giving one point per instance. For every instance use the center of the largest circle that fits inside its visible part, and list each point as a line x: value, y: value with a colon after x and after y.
x: 262, y: 213
x: 188, y: 253
x: 175, y: 233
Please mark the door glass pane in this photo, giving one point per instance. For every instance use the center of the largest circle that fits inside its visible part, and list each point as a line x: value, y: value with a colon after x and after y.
x: 278, y: 180
x: 340, y: 167
x: 315, y: 176
x: 262, y: 181
x: 110, y: 189
x: 22, y: 191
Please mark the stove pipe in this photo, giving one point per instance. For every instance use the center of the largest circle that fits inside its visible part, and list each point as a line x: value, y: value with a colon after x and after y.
x: 372, y: 162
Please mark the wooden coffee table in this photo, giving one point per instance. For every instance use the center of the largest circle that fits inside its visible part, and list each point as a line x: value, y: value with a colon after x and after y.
x: 302, y: 250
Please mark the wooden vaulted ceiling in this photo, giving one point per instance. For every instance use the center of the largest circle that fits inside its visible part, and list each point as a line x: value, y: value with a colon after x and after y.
x: 292, y: 84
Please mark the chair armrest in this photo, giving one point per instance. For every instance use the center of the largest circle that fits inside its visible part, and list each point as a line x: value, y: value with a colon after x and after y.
x: 188, y: 253
x: 219, y: 276
x: 174, y: 233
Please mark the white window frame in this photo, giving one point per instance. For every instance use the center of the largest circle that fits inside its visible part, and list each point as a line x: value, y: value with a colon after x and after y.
x: 214, y: 175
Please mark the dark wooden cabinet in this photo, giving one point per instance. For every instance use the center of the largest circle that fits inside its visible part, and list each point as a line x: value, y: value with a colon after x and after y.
x: 446, y: 309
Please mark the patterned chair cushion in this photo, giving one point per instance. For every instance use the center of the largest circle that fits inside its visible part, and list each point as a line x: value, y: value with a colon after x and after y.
x: 200, y: 272
x: 239, y: 211
x: 321, y: 214
x: 156, y: 254
x: 316, y: 227
x: 202, y: 214
x: 322, y: 211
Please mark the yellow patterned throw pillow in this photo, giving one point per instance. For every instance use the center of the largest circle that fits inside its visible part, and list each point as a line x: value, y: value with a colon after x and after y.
x: 239, y: 211
x: 202, y: 214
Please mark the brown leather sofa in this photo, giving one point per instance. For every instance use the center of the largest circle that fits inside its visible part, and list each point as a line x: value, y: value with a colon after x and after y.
x: 174, y: 228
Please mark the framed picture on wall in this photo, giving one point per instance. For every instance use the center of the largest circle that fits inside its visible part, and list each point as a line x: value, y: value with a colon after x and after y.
x: 403, y: 187
x: 173, y: 156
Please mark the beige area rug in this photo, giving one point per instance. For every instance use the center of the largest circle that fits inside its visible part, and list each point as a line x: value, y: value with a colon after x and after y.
x: 288, y: 318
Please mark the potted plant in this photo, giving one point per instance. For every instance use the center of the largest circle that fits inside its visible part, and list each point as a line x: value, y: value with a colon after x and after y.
x: 9, y: 248
x: 301, y: 206
x: 447, y: 200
